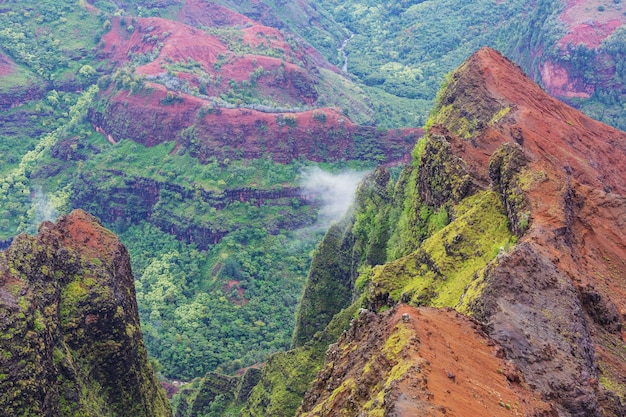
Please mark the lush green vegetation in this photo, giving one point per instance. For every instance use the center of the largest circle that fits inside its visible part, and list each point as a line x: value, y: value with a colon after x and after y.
x: 327, y: 289
x: 22, y: 213
x: 42, y: 36
x: 401, y: 50
x: 219, y: 273
x: 222, y: 309
x: 216, y: 395
x: 221, y: 304
x: 438, y: 272
x: 287, y: 375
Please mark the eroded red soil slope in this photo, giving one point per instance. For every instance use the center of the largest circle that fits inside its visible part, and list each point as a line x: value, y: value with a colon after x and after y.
x: 245, y: 90
x: 587, y: 24
x: 319, y: 135
x: 6, y: 65
x: 252, y: 54
x: 432, y: 362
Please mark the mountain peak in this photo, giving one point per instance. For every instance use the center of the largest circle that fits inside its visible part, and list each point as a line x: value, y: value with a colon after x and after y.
x: 72, y: 340
x: 514, y: 215
x: 560, y: 177
x: 84, y: 233
x: 489, y: 101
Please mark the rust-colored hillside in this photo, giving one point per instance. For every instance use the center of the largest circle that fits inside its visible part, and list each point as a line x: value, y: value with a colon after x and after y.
x: 533, y: 249
x: 557, y: 300
x: 410, y: 362
x: 239, y: 86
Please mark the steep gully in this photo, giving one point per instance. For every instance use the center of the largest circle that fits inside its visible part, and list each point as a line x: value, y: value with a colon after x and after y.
x: 342, y: 51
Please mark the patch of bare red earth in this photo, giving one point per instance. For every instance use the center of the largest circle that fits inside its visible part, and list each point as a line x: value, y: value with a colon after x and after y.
x: 6, y: 65
x: 180, y: 43
x: 588, y: 25
x: 585, y: 25
x: 455, y: 370
x: 144, y: 117
x: 464, y: 372
x: 84, y: 233
x: 185, y: 42
x: 240, y: 299
x: 207, y: 14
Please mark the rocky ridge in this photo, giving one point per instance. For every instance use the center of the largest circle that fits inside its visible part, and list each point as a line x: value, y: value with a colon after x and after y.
x: 71, y: 343
x: 410, y: 361
x: 512, y: 213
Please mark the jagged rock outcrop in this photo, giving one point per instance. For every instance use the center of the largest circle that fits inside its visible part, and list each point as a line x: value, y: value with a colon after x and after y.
x: 71, y: 343
x: 501, y: 154
x: 552, y: 300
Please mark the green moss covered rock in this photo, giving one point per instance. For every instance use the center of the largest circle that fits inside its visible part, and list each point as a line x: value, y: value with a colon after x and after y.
x: 71, y: 343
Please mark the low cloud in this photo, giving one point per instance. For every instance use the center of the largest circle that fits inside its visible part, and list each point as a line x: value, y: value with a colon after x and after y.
x: 334, y: 192
x: 42, y: 209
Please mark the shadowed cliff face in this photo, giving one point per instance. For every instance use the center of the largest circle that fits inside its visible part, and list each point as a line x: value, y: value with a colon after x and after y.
x: 71, y: 343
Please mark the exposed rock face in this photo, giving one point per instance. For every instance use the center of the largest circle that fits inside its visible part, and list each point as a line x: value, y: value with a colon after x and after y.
x: 553, y: 301
x: 71, y: 343
x: 135, y: 199
x: 409, y: 362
